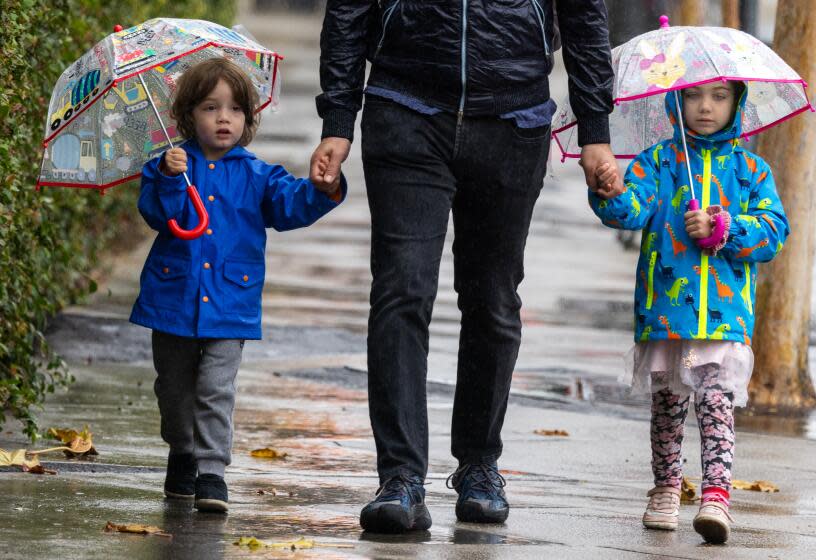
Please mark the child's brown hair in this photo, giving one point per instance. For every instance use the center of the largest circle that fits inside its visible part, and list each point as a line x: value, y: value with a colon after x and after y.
x: 197, y: 82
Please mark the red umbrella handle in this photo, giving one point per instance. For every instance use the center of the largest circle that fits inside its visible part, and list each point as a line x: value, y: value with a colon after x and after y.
x: 716, y: 234
x: 203, y: 218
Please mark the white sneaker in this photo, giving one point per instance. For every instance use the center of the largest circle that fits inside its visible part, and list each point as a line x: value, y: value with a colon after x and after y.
x: 713, y: 522
x: 663, y: 511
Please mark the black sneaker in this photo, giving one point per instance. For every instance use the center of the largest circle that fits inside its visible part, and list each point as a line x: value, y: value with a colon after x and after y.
x: 481, y: 493
x: 399, y: 506
x: 211, y: 493
x: 179, y: 483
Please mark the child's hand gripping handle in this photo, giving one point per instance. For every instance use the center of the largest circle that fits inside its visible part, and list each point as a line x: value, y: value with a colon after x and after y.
x: 203, y: 218
x: 717, y: 232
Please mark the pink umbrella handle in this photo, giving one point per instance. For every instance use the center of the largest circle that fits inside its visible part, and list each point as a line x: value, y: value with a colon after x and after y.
x: 203, y: 218
x: 718, y: 231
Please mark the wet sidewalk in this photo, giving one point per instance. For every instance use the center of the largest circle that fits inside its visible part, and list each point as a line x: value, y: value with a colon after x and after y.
x: 302, y: 391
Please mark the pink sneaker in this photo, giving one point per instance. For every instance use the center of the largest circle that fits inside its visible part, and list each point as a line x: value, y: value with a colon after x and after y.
x: 663, y: 511
x: 713, y: 522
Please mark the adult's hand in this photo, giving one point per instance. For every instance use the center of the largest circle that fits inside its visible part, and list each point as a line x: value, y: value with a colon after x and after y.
x: 324, y: 168
x: 593, y: 158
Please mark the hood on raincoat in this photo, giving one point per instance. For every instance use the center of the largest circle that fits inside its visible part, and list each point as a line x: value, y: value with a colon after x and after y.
x: 731, y: 132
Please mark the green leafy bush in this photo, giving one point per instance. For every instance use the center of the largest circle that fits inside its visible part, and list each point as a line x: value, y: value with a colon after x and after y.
x: 50, y: 240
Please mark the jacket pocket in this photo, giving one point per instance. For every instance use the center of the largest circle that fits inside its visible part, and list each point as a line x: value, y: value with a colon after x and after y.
x: 389, y: 11
x: 650, y: 280
x: 165, y: 281
x: 244, y: 286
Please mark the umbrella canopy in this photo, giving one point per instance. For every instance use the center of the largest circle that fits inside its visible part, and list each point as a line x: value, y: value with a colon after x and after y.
x: 673, y: 58
x: 109, y: 112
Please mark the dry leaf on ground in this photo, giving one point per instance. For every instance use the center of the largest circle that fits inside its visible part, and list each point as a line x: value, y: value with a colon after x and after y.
x: 300, y: 544
x: 38, y: 469
x: 17, y: 458
x: 136, y: 528
x: 268, y: 453
x: 688, y: 491
x: 756, y: 486
x: 78, y: 443
x: 562, y: 433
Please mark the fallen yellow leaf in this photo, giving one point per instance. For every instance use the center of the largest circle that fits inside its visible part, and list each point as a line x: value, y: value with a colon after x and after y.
x: 268, y: 453
x: 562, y: 433
x: 756, y: 486
x: 78, y: 443
x: 136, y: 528
x: 17, y: 458
x: 688, y: 492
x: 300, y: 544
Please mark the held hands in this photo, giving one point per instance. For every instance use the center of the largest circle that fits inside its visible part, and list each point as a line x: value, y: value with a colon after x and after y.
x: 601, y: 170
x: 324, y: 169
x: 174, y: 162
x: 698, y: 224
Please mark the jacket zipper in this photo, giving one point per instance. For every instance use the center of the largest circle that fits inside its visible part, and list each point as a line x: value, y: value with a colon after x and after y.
x: 702, y: 322
x: 386, y: 18
x: 542, y: 19
x: 464, y: 63
x: 650, y: 280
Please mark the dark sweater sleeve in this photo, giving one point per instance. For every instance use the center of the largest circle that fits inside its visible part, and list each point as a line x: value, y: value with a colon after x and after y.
x: 343, y: 44
x: 587, y: 56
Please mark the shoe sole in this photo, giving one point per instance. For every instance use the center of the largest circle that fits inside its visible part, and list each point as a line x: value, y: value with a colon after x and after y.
x: 175, y: 496
x: 209, y: 504
x: 473, y: 513
x: 712, y: 530
x: 661, y: 525
x: 394, y: 519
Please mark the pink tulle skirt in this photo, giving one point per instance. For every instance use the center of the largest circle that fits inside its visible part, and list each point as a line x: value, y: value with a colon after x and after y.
x: 675, y: 365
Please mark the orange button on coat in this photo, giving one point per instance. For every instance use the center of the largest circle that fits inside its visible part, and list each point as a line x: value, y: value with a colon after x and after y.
x: 206, y: 265
x: 209, y: 232
x: 165, y: 270
x: 205, y: 299
x: 211, y: 198
x: 246, y: 278
x: 211, y: 166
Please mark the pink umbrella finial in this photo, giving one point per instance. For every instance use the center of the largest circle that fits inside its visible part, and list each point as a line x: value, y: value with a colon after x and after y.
x: 664, y: 21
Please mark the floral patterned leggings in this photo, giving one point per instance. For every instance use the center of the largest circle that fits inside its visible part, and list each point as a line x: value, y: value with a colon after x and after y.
x: 715, y: 416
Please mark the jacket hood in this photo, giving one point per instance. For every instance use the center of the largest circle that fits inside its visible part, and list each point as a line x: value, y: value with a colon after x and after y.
x: 730, y: 133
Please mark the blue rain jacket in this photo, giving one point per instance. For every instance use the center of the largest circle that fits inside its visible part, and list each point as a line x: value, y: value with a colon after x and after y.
x: 681, y: 292
x: 211, y: 287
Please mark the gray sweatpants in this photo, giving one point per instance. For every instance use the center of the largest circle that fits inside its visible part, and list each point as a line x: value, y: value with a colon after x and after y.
x: 196, y: 391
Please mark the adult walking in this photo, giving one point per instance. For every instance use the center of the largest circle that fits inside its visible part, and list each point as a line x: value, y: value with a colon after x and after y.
x: 457, y: 113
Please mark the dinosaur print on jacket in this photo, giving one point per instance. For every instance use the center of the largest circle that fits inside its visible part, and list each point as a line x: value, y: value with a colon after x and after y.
x: 697, y: 289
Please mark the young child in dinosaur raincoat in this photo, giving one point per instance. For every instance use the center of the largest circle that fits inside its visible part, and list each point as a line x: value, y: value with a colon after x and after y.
x: 694, y: 309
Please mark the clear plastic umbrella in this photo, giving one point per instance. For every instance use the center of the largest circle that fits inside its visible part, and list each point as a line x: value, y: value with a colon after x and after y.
x: 669, y: 59
x: 109, y: 112
x: 673, y: 58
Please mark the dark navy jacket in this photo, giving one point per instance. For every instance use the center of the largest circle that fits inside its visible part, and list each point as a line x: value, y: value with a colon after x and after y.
x: 211, y: 287
x: 477, y: 57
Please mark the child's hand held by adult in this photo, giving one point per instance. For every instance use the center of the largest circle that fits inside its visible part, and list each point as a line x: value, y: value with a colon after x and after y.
x: 698, y: 224
x: 175, y: 162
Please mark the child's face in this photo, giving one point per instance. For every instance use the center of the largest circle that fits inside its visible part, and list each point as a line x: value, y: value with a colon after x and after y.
x: 708, y: 108
x: 219, y: 121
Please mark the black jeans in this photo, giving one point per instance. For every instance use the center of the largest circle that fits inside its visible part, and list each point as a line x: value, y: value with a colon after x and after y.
x: 417, y: 169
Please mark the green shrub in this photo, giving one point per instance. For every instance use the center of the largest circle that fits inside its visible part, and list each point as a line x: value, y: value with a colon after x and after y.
x: 50, y: 240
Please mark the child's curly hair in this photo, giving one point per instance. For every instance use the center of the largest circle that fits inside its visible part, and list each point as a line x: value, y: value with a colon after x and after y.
x: 197, y: 82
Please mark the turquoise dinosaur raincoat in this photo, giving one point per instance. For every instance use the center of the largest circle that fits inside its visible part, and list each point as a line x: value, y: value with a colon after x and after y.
x: 681, y: 291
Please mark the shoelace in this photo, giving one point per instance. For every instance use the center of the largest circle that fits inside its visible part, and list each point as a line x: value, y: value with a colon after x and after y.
x: 486, y: 477
x: 394, y: 485
x: 664, y: 502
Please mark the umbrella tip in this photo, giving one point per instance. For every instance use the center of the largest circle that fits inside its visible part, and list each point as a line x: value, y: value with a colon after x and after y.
x: 117, y: 28
x: 664, y: 21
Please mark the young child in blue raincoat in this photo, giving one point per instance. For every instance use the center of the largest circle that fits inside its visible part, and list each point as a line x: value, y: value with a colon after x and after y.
x: 694, y: 309
x: 202, y: 298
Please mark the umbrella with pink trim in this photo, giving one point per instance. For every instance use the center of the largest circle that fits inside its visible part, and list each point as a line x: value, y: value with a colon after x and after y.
x: 673, y: 58
x: 110, y: 110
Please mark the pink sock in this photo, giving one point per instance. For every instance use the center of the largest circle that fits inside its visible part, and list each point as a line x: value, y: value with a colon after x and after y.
x: 715, y: 494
